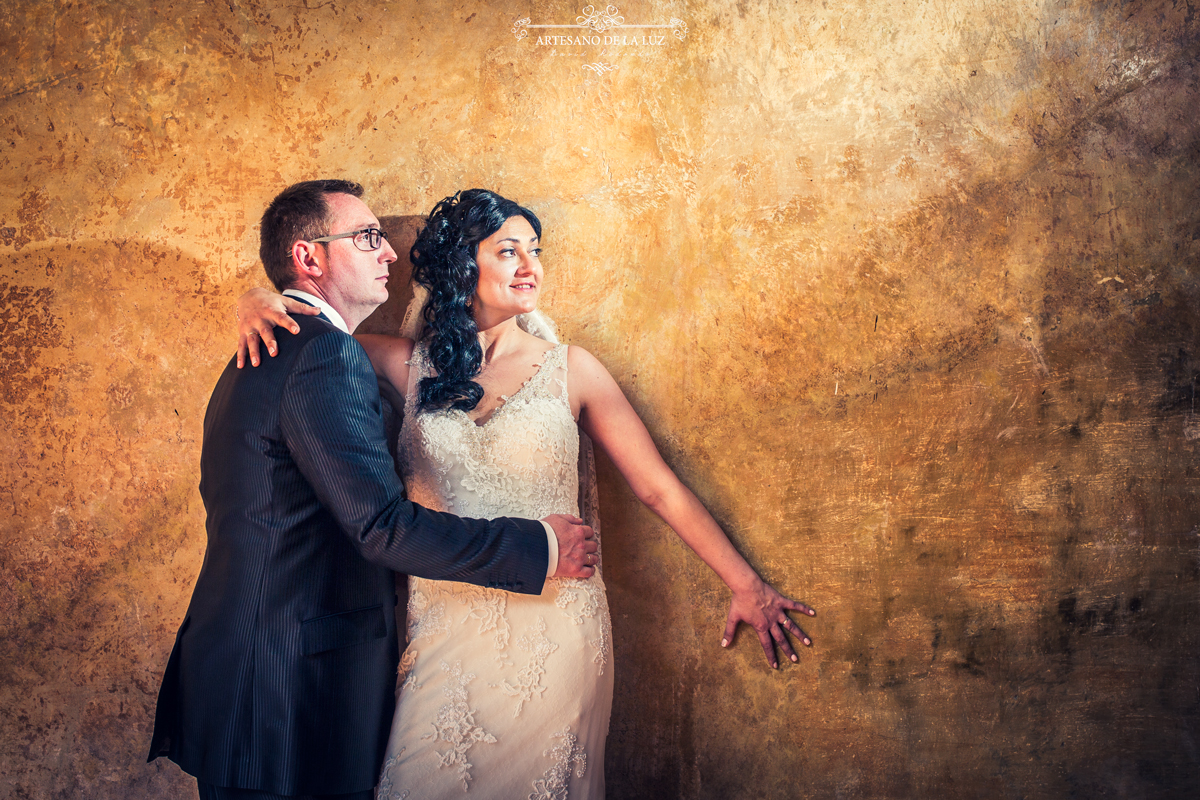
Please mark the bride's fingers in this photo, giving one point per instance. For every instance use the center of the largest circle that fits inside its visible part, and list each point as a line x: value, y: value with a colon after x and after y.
x: 731, y: 623
x: 795, y: 630
x: 795, y: 605
x: 281, y: 319
x: 249, y: 340
x: 777, y: 633
x: 294, y: 306
x: 266, y: 331
x: 241, y: 352
x: 769, y: 648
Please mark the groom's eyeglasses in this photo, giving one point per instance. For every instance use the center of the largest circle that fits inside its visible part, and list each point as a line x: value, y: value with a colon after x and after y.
x: 367, y: 239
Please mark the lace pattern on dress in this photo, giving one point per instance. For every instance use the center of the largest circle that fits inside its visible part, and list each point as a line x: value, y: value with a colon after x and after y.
x: 590, y: 599
x: 527, y: 460
x: 529, y: 677
x: 522, y: 462
x: 455, y: 724
x: 426, y: 616
x: 387, y: 789
x: 603, y: 643
x: 488, y: 608
x: 566, y: 754
x: 407, y: 679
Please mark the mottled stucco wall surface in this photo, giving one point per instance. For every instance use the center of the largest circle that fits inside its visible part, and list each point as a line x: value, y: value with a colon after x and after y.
x: 905, y: 292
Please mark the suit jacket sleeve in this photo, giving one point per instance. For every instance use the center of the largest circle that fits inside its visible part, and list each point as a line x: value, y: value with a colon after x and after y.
x: 332, y: 424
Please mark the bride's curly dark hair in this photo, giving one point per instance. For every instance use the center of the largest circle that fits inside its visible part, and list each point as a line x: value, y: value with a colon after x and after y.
x: 443, y: 260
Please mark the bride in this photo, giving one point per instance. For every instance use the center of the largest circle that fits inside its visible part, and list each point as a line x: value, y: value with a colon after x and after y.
x: 505, y: 695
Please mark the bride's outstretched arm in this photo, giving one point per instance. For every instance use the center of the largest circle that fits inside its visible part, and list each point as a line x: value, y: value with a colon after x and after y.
x: 607, y: 417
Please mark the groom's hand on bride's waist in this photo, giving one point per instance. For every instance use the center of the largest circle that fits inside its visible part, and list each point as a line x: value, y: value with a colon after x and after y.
x: 577, y: 548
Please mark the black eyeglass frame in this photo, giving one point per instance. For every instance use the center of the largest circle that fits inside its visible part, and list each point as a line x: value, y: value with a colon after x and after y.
x: 378, y: 235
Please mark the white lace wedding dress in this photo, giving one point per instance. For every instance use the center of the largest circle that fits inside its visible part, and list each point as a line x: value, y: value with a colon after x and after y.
x: 502, y: 695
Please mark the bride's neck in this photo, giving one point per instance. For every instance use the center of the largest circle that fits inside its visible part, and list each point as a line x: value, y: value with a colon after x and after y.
x: 499, y: 339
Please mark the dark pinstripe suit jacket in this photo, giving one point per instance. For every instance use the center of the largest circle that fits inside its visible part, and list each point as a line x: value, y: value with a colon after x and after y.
x: 283, y: 671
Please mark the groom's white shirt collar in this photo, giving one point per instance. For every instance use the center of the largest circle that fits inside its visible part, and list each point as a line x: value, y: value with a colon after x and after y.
x: 326, y: 309
x: 336, y: 319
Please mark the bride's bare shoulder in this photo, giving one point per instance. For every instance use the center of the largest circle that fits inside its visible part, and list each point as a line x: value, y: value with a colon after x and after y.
x: 403, y: 345
x: 583, y: 362
x: 386, y: 344
x: 389, y: 355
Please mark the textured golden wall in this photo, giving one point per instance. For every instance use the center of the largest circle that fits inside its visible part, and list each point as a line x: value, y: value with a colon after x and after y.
x: 905, y: 291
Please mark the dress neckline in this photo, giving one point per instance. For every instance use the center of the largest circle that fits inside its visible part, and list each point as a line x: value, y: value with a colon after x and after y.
x: 506, y: 399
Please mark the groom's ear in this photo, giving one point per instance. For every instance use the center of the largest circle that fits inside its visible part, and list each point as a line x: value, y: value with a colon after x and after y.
x: 308, y: 259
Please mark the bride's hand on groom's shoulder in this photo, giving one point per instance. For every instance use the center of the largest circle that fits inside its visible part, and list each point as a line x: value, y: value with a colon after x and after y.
x: 765, y: 610
x: 259, y: 312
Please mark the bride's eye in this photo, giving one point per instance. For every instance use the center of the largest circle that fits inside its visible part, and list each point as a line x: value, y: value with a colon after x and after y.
x: 536, y: 252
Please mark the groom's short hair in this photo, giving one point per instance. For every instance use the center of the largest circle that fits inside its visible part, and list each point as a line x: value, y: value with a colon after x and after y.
x: 299, y: 213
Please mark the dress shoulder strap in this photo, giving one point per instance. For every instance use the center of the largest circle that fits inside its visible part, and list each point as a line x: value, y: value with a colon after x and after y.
x: 551, y: 377
x: 418, y: 368
x: 556, y: 358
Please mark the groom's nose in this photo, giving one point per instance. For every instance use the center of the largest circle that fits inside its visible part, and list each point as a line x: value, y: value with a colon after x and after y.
x: 387, y: 253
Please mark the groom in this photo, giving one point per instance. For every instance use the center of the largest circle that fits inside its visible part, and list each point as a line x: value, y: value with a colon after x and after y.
x: 281, y: 682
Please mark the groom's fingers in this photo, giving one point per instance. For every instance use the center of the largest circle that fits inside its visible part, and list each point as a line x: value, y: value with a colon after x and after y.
x: 577, y: 547
x: 573, y: 568
x: 585, y: 556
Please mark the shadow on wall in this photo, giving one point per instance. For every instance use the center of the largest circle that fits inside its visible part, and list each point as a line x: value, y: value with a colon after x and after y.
x: 109, y: 354
x: 402, y: 232
x: 111, y: 350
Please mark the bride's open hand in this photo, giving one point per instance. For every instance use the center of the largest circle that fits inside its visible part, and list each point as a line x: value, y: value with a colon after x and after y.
x: 765, y: 610
x: 259, y: 311
x: 607, y: 417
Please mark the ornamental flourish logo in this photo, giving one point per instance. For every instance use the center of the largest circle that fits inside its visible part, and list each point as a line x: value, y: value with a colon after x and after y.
x: 596, y: 28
